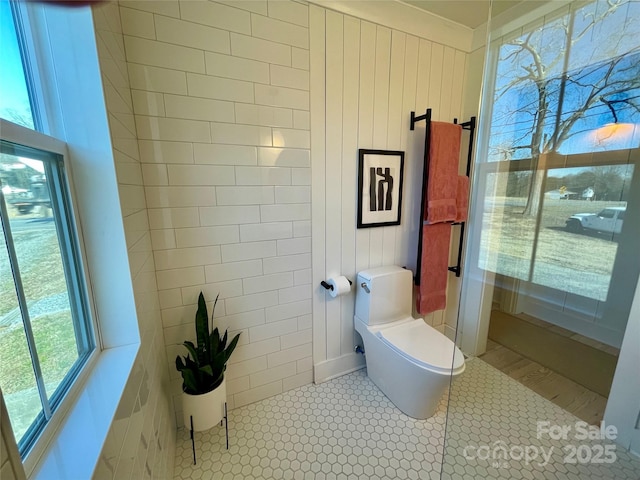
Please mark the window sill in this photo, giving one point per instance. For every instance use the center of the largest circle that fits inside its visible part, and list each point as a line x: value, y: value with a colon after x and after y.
x: 75, y: 448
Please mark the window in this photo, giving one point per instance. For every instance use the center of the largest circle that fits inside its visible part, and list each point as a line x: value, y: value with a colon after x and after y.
x: 46, y: 334
x: 559, y: 82
x: 14, y: 91
x: 564, y: 96
x: 558, y: 143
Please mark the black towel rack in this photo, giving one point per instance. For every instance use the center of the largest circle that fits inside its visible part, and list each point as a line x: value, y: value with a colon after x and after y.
x: 471, y: 127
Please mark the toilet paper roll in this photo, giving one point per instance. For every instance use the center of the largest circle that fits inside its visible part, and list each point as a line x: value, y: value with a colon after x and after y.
x: 341, y: 286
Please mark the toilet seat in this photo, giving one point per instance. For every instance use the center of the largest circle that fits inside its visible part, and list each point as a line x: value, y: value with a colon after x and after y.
x: 423, y: 345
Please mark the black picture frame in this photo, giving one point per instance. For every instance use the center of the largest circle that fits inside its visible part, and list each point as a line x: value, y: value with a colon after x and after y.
x: 380, y: 202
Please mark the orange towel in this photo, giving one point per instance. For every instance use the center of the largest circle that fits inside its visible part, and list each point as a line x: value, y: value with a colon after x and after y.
x: 432, y: 293
x: 462, y: 199
x: 444, y: 155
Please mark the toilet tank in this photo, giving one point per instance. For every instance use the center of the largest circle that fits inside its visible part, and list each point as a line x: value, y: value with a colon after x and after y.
x: 389, y: 296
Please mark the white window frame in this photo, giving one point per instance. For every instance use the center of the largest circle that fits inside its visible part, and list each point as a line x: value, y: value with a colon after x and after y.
x: 26, y: 137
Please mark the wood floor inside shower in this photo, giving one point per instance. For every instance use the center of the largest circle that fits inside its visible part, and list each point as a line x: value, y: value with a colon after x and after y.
x: 564, y: 392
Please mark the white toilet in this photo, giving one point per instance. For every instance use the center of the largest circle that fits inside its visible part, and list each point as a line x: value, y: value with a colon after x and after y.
x: 411, y: 362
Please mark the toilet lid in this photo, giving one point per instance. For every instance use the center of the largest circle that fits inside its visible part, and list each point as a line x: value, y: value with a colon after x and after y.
x: 424, y: 345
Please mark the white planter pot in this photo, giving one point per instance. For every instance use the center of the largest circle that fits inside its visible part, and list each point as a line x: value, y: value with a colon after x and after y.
x: 207, y: 409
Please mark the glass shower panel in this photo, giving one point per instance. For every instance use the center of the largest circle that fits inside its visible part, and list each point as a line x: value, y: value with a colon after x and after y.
x: 551, y: 259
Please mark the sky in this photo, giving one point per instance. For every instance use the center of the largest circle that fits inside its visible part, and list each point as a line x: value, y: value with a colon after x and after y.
x: 13, y: 89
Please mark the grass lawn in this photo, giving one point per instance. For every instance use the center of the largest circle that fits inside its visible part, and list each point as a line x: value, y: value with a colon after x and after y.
x: 45, y: 288
x: 42, y: 275
x: 56, y: 344
x: 57, y: 352
x: 40, y: 263
x: 575, y: 263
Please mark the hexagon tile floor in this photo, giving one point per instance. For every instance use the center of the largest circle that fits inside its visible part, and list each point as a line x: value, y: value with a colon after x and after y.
x: 347, y: 429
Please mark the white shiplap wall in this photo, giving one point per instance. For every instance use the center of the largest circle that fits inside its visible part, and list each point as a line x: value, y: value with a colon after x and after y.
x: 365, y: 81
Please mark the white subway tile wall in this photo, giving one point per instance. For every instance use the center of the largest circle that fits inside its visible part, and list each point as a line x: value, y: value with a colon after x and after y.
x: 221, y: 103
x: 141, y: 439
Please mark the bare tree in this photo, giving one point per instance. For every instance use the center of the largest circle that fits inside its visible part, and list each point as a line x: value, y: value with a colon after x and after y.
x: 554, y: 103
x: 23, y: 117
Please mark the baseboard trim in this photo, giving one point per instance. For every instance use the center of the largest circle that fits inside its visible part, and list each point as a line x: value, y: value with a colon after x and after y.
x: 336, y: 367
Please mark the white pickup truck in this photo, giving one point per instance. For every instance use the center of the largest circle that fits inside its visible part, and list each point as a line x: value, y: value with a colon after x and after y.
x: 608, y: 220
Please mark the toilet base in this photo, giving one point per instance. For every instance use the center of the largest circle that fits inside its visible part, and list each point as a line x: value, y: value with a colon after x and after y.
x: 415, y: 398
x: 415, y: 390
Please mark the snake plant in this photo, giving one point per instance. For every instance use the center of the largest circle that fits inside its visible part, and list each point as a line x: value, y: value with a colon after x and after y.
x: 204, y: 365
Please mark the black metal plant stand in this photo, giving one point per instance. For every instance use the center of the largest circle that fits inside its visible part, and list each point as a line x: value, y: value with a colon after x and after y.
x: 226, y: 427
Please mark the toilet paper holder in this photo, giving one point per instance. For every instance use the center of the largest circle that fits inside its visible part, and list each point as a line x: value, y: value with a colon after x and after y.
x: 330, y: 287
